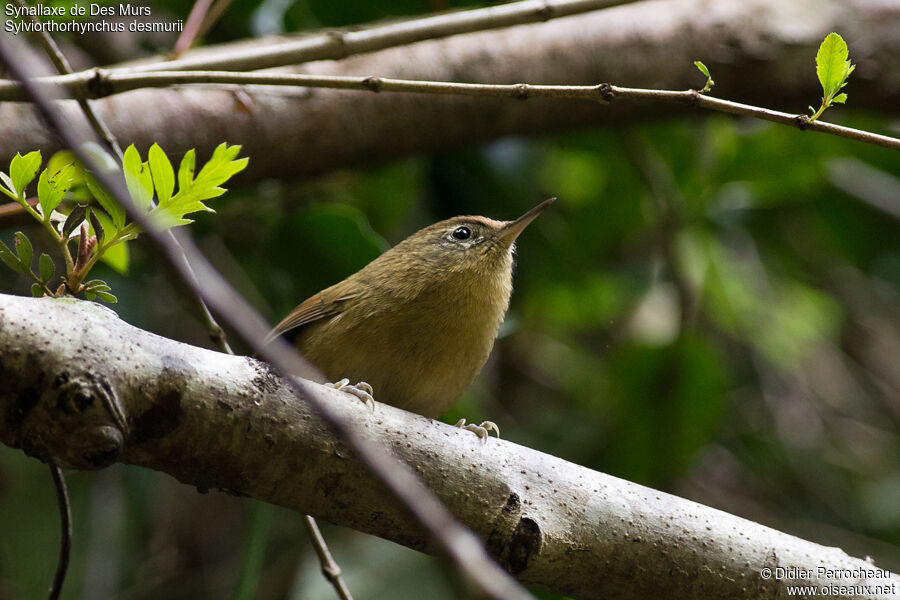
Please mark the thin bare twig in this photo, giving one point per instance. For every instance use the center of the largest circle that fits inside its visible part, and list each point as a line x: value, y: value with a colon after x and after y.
x: 460, y: 546
x: 65, y: 544
x: 330, y: 569
x: 101, y: 82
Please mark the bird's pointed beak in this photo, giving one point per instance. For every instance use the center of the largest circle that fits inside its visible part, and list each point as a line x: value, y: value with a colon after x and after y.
x: 512, y: 229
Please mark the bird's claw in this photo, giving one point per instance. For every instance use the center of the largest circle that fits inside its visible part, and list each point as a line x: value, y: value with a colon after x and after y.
x: 482, y: 431
x: 361, y: 390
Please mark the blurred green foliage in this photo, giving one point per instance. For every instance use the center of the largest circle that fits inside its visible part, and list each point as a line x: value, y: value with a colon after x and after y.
x: 710, y: 308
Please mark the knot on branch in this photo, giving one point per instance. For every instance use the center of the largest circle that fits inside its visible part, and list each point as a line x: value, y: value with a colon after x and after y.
x: 522, y: 91
x: 338, y: 38
x: 515, y: 539
x: 545, y: 12
x: 802, y: 122
x: 95, y: 433
x: 606, y: 91
x: 69, y: 418
x: 98, y: 85
x: 372, y: 83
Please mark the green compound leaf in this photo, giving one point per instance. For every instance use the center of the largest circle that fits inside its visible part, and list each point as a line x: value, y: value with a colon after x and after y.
x: 23, y: 169
x: 192, y: 192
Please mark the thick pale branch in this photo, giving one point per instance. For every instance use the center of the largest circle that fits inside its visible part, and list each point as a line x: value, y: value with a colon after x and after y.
x: 81, y: 387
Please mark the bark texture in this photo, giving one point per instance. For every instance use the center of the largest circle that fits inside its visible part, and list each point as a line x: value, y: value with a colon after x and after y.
x: 759, y: 51
x: 82, y: 387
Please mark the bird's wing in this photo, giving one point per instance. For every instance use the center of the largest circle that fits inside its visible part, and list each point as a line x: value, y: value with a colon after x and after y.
x: 326, y: 303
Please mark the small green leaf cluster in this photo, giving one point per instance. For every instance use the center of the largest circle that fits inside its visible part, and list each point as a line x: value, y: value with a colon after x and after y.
x: 833, y: 67
x: 71, y: 205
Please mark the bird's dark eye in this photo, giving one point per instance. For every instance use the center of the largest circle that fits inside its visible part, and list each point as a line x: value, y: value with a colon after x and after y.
x: 462, y: 233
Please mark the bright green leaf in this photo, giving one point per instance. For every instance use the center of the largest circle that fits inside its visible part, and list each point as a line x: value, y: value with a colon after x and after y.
x: 138, y: 179
x: 23, y: 248
x: 162, y: 172
x: 52, y: 187
x: 47, y: 268
x: 840, y: 98
x: 36, y: 290
x: 22, y: 170
x: 186, y: 170
x: 107, y: 297
x: 109, y: 204
x: 60, y: 160
x: 702, y: 67
x: 831, y: 61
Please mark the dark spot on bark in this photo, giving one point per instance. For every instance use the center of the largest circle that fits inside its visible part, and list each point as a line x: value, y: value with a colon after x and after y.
x: 525, y: 542
x: 159, y: 419
x: 265, y: 379
x: 512, y: 504
x: 60, y: 380
x: 17, y: 412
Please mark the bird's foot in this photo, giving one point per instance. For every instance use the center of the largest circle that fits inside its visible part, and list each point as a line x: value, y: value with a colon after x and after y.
x: 361, y: 390
x: 482, y: 431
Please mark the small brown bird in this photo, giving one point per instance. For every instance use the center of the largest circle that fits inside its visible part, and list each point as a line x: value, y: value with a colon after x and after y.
x: 419, y: 321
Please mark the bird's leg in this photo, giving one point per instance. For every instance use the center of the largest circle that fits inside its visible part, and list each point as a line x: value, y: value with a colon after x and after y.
x: 482, y: 431
x: 361, y: 390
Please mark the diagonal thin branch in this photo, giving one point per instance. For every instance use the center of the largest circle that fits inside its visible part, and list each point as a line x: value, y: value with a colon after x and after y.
x: 330, y: 568
x: 456, y: 543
